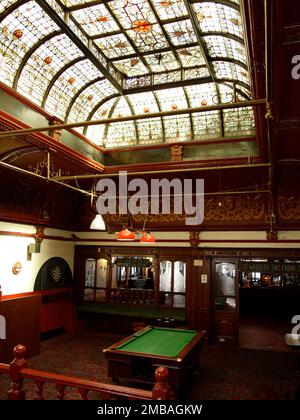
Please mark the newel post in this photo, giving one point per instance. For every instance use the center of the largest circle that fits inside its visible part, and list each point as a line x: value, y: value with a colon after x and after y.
x: 161, y: 390
x: 19, y: 363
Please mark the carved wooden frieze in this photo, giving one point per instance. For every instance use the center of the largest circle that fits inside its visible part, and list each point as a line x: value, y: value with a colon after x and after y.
x: 235, y: 208
x: 289, y: 208
x: 225, y: 209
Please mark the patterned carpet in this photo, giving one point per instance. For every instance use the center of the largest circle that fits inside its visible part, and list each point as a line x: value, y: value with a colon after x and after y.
x: 225, y: 373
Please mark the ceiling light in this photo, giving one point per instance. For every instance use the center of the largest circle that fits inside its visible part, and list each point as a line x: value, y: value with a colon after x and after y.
x: 147, y: 238
x: 126, y: 235
x: 98, y: 223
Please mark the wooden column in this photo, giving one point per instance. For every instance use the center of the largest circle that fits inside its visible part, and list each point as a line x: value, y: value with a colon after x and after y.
x: 16, y: 392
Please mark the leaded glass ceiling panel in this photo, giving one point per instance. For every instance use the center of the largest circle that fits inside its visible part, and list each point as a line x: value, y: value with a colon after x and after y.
x: 191, y: 57
x: 20, y: 31
x: 216, y: 17
x: 115, y: 46
x: 170, y: 9
x: 219, y: 46
x: 88, y: 99
x: 5, y: 4
x: 67, y: 85
x: 83, y: 60
x: 131, y: 67
x: 163, y: 62
x: 44, y: 64
x: 69, y: 3
x: 95, y: 20
x: 181, y: 32
x: 172, y: 98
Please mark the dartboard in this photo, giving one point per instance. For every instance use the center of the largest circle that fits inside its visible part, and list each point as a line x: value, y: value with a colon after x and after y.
x: 56, y: 273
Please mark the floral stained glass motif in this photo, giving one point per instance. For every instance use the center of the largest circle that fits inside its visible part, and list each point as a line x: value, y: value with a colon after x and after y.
x: 19, y: 32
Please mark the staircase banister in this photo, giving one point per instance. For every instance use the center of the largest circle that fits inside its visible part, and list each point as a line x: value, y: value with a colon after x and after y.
x: 38, y: 375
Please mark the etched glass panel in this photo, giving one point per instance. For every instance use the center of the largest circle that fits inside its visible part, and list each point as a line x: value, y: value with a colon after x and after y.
x: 90, y: 272
x: 165, y: 277
x: 179, y: 276
x: 101, y: 273
x: 225, y: 279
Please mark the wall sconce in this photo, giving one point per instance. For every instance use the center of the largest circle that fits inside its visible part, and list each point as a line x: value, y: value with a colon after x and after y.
x: 33, y: 249
x: 17, y: 267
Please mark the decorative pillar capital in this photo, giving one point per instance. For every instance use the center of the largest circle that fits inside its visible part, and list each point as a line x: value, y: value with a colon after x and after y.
x: 177, y: 153
x: 55, y: 133
x: 194, y: 239
x: 272, y: 235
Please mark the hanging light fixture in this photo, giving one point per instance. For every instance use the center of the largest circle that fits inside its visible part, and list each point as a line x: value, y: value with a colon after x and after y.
x: 147, y: 238
x: 98, y: 223
x: 126, y: 235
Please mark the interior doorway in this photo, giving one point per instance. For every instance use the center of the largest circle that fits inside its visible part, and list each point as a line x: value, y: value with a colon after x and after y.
x: 225, y: 301
x: 268, y: 295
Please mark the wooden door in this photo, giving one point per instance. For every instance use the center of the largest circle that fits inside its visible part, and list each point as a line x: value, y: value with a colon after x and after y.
x: 225, y: 301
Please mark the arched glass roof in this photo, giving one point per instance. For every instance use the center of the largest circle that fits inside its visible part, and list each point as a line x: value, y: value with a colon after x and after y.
x: 84, y: 60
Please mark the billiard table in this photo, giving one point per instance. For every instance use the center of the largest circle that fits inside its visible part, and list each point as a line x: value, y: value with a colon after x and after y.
x: 136, y: 357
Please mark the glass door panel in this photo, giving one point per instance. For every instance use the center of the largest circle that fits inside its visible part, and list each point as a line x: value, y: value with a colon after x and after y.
x: 225, y: 301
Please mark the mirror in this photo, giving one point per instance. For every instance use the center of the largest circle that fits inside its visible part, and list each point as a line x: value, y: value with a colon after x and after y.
x: 132, y: 273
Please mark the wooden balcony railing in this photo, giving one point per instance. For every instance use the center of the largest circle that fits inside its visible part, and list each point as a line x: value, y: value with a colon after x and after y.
x: 132, y: 296
x: 18, y: 371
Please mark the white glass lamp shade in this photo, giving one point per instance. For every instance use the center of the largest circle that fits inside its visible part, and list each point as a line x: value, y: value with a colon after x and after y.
x: 98, y: 223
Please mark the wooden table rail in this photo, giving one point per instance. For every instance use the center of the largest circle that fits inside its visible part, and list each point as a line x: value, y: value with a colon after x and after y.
x: 18, y: 371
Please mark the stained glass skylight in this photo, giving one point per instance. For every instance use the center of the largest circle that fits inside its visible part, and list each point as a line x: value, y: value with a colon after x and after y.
x: 84, y: 60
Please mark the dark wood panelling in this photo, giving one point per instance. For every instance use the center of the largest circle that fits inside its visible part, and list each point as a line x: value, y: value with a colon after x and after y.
x: 23, y: 325
x: 199, y: 308
x: 58, y: 311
